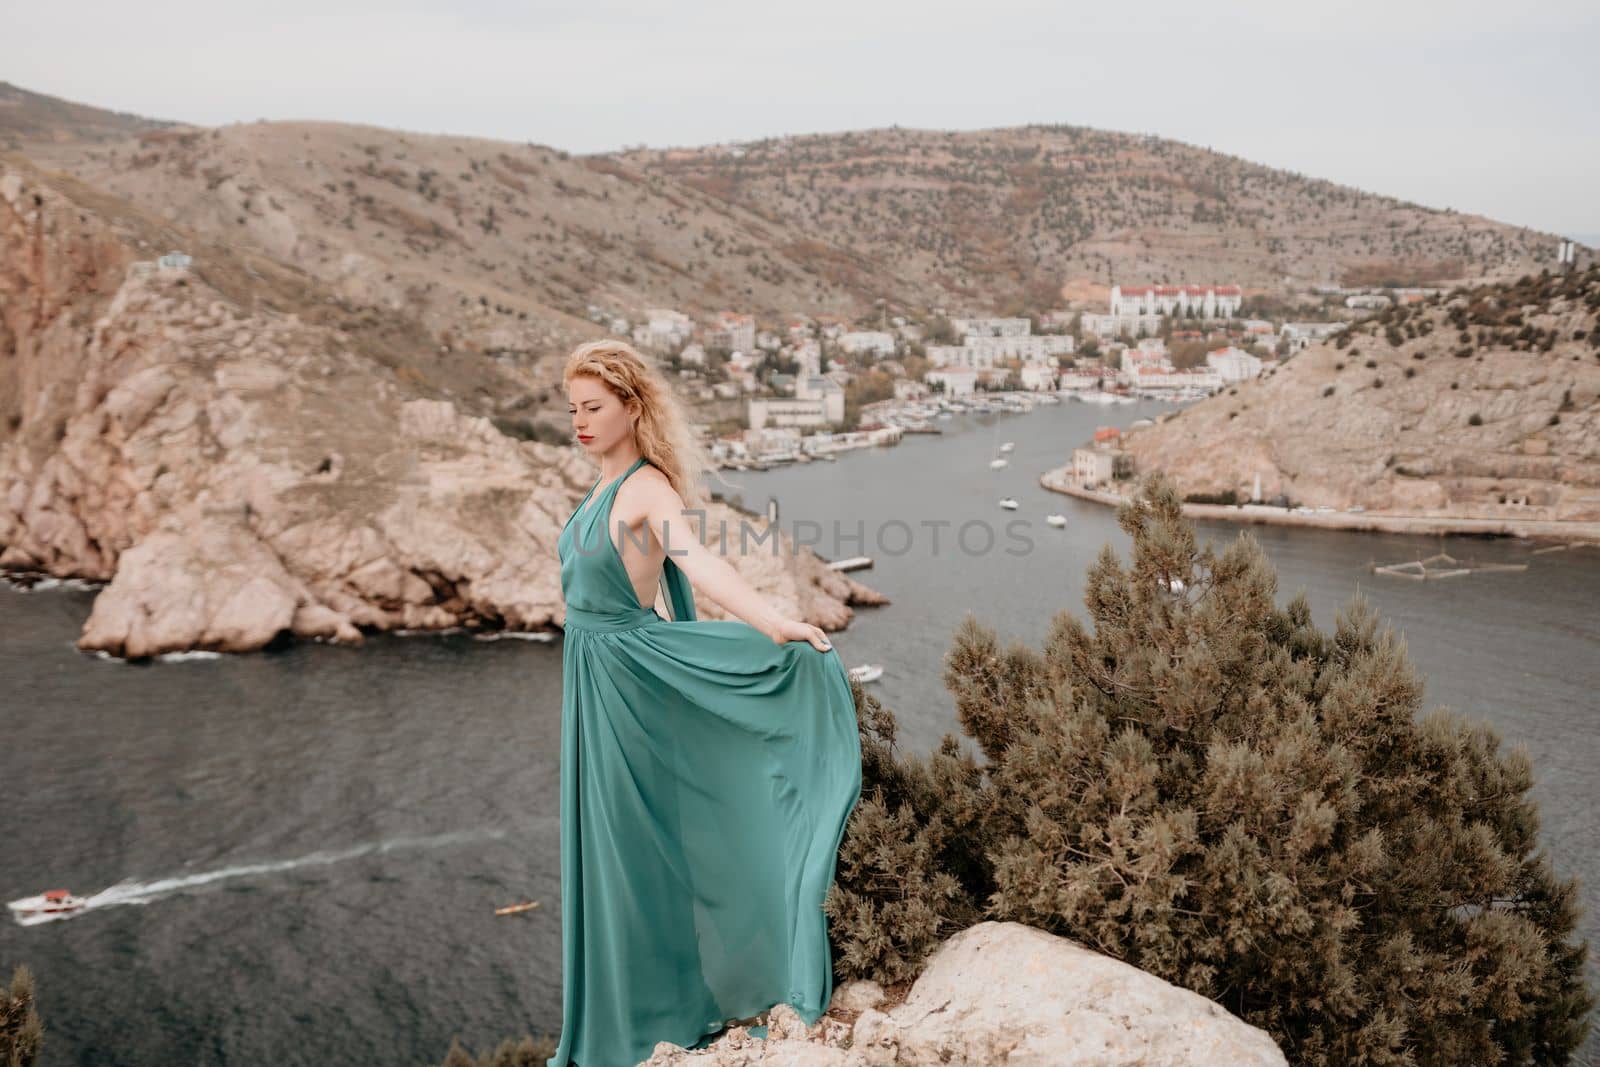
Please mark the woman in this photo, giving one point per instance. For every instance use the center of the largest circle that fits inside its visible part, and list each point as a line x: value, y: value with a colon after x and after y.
x: 707, y: 767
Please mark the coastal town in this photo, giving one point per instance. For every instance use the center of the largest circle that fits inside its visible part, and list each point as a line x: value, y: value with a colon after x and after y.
x: 813, y: 385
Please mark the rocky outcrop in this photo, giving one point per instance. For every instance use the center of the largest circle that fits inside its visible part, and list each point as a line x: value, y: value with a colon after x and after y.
x: 1486, y: 406
x: 1003, y: 993
x: 242, y: 475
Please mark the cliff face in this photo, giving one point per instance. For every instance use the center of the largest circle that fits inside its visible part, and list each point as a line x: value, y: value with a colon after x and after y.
x: 1482, y: 405
x: 237, y: 474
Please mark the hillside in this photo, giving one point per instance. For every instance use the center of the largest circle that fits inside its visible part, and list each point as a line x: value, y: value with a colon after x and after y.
x: 500, y: 248
x: 497, y: 247
x: 243, y: 457
x: 1485, y: 404
x: 986, y: 218
x: 29, y: 118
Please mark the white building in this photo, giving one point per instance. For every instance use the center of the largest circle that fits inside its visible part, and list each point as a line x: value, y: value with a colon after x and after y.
x: 958, y: 381
x: 1077, y: 379
x: 1301, y: 334
x: 817, y: 401
x: 734, y: 332
x: 981, y: 352
x: 693, y: 352
x: 874, y: 341
x: 1375, y: 301
x: 809, y: 355
x: 968, y: 328
x: 1150, y: 379
x: 1108, y: 326
x: 174, y: 260
x: 1233, y: 365
x: 1036, y: 376
x: 819, y: 409
x: 1187, y: 301
x: 1135, y: 359
x: 664, y: 328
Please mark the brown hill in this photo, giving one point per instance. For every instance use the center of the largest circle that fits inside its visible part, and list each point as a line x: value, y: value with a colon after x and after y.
x: 30, y: 119
x: 1004, y: 218
x: 1485, y: 404
x: 500, y: 248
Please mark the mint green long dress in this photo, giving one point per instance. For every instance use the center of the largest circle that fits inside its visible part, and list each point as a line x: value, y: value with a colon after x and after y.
x: 706, y: 778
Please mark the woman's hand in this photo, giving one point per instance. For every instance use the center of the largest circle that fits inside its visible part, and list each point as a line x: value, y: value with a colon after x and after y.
x: 786, y: 630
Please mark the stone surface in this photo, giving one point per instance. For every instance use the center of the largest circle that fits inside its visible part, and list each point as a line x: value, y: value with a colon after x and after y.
x: 1005, y: 993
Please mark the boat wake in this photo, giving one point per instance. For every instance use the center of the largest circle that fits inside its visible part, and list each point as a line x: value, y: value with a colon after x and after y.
x: 136, y: 892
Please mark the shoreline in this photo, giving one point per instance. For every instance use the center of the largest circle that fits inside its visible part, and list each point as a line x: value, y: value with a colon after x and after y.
x: 1058, y: 480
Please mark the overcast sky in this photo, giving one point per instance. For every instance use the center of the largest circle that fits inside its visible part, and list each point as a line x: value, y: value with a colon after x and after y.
x: 1481, y: 105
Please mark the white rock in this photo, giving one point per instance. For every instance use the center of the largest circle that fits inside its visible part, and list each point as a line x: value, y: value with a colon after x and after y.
x: 1005, y: 992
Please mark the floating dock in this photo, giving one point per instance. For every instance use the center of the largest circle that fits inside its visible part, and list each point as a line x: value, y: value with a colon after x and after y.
x: 1441, y: 565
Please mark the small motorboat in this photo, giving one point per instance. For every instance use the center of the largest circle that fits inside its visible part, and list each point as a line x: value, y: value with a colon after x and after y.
x: 867, y: 672
x: 1008, y: 446
x: 50, y: 902
x: 1056, y: 519
x: 996, y: 464
x: 1009, y: 503
x: 514, y: 909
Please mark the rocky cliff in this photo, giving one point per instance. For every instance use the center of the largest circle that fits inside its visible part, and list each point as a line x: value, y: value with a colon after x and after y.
x: 240, y: 471
x: 1482, y: 404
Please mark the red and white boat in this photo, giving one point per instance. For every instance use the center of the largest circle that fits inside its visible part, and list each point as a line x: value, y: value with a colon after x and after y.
x: 50, y: 902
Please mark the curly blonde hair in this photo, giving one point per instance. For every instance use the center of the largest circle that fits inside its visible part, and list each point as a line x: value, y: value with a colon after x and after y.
x: 661, y: 432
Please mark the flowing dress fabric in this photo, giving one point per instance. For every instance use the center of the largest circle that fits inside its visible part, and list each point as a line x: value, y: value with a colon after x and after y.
x: 706, y: 778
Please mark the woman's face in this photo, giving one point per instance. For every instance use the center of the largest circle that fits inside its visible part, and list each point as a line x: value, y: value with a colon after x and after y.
x: 599, y: 419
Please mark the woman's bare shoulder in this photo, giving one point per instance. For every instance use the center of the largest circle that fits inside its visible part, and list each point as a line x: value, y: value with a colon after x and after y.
x: 650, y: 488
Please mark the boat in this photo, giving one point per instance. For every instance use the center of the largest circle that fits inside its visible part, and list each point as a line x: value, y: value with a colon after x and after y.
x: 996, y: 464
x: 1056, y: 519
x: 513, y: 909
x: 50, y: 902
x: 1008, y: 446
x: 867, y: 672
x: 1009, y: 503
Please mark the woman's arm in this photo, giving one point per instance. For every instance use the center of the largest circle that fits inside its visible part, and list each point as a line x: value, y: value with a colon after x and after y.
x: 713, y: 575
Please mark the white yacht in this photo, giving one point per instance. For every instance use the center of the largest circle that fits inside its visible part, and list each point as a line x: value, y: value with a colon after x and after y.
x: 50, y: 902
x: 1056, y: 519
x: 996, y: 464
x: 1008, y: 446
x: 1009, y: 503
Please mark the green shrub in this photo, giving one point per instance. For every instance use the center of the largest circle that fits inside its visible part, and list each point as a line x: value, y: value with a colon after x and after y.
x: 1207, y: 786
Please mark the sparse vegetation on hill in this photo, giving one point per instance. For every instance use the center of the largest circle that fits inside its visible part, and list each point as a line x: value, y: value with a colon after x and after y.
x: 1007, y: 214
